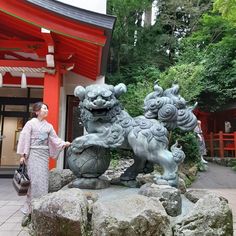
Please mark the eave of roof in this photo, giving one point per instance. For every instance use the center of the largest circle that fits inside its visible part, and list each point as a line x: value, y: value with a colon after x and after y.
x: 78, y: 14
x: 96, y: 22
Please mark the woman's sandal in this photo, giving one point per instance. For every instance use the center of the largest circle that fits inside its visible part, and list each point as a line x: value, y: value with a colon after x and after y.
x: 26, y: 220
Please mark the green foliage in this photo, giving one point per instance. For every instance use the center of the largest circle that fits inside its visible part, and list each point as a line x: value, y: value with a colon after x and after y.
x: 220, y: 74
x: 202, y: 167
x: 232, y: 163
x: 114, y: 163
x: 135, y: 44
x: 210, y: 53
x: 189, y: 143
x: 136, y: 92
x: 133, y: 74
x: 188, y: 181
x: 129, y: 17
x: 117, y: 154
x: 227, y: 8
x: 188, y: 76
x: 133, y: 99
x: 203, y: 45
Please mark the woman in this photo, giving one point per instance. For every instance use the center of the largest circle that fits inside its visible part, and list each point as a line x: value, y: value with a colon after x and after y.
x: 201, y: 142
x: 38, y: 141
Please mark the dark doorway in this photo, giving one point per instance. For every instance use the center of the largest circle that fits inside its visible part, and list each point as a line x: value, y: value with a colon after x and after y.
x: 14, y: 112
x: 74, y: 125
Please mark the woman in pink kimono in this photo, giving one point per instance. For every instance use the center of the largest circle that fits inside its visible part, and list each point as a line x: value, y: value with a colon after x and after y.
x: 38, y: 141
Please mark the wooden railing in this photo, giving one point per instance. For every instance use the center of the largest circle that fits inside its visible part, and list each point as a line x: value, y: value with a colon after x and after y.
x: 221, y: 144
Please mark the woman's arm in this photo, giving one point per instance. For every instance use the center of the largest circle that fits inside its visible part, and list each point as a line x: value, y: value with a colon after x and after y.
x: 23, y: 145
x: 57, y: 142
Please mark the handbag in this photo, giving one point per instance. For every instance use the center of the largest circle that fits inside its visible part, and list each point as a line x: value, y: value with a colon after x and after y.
x: 21, y: 181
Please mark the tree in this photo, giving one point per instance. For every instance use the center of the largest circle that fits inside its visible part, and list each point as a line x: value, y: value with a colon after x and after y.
x: 188, y: 76
x: 210, y: 55
x: 136, y: 46
x: 227, y: 8
x: 129, y: 16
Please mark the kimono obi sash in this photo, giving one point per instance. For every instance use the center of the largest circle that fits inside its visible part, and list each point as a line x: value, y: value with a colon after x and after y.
x: 39, y: 147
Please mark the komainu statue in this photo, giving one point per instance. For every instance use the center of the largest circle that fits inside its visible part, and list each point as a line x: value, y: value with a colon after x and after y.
x: 108, y: 126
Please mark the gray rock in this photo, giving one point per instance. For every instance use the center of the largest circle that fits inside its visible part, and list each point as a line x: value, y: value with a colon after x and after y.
x: 60, y: 213
x: 161, y: 182
x: 66, y: 177
x: 89, y: 183
x: 134, y: 215
x: 59, y: 178
x: 145, y: 178
x: 211, y: 215
x: 182, y: 186
x: 194, y: 195
x: 170, y: 197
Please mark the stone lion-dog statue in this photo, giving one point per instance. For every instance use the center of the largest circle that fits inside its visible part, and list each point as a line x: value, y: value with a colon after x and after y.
x: 109, y: 126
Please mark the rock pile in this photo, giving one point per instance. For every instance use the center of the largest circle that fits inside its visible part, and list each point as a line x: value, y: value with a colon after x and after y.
x: 120, y: 211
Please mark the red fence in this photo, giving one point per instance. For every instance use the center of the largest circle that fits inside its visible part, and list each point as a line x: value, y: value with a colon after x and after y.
x: 221, y: 144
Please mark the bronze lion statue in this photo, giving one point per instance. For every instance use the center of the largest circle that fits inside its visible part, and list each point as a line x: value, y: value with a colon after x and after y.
x: 108, y: 126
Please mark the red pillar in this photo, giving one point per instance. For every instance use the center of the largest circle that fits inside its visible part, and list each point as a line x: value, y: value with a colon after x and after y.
x: 221, y: 144
x: 51, y: 96
x: 235, y: 144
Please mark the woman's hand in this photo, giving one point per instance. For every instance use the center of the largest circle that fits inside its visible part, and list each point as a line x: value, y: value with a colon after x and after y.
x: 67, y: 144
x: 22, y: 160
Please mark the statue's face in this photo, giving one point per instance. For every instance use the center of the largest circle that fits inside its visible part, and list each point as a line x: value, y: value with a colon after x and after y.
x: 99, y: 100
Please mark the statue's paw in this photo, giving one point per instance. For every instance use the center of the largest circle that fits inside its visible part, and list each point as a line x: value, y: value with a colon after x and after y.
x: 164, y: 180
x: 167, y: 177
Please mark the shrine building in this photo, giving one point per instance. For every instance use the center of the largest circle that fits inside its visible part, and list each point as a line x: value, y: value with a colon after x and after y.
x: 47, y: 48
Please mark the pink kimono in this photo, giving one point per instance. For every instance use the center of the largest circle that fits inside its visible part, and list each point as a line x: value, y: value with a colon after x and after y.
x: 38, y: 140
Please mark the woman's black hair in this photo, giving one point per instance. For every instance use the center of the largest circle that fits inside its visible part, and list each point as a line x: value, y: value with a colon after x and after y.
x: 36, y: 107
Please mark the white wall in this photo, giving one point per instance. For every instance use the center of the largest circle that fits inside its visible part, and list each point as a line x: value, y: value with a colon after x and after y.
x: 92, y: 5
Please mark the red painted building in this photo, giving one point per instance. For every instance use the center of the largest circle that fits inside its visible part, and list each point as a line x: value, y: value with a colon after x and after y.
x: 46, y: 49
x: 219, y: 129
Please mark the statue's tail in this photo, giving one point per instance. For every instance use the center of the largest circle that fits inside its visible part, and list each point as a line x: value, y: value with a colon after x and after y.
x: 177, y: 152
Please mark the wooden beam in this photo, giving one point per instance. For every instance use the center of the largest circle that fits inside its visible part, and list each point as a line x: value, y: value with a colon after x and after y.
x: 8, y: 79
x: 65, y: 67
x: 18, y: 63
x: 3, y: 36
x: 17, y: 56
x: 48, y: 39
x: 21, y: 45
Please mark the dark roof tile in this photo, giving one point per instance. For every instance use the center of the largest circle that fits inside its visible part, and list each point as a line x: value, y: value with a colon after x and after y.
x: 75, y: 13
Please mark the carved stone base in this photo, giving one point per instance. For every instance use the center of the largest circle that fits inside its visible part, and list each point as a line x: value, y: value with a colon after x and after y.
x: 89, y: 183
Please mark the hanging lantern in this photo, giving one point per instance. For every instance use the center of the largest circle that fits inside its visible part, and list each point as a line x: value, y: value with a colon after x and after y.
x: 1, y: 80
x: 23, y: 80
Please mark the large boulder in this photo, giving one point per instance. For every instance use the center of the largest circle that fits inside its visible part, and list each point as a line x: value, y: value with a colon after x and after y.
x: 210, y: 215
x: 170, y: 197
x: 133, y: 215
x: 60, y: 213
